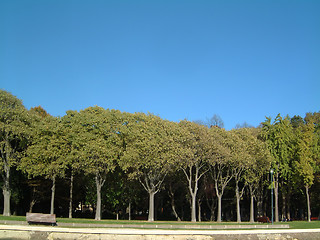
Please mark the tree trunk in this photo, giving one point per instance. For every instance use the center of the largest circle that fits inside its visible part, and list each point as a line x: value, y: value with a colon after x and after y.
x: 173, y: 206
x: 212, y: 213
x: 308, y: 203
x: 33, y: 199
x: 6, y: 202
x: 53, y: 191
x: 221, y: 182
x: 71, y: 195
x: 219, y: 208
x: 212, y: 207
x: 276, y: 200
x: 283, y: 210
x: 193, y: 207
x: 152, y: 186
x: 289, y: 207
x: 99, y: 184
x: 238, y: 210
x: 6, y: 190
x: 151, y: 206
x: 32, y: 203
x: 98, y: 207
x: 129, y: 211
x: 259, y: 198
x: 238, y: 203
x: 193, y: 190
x: 283, y: 199
x: 199, y: 210
x: 251, y: 208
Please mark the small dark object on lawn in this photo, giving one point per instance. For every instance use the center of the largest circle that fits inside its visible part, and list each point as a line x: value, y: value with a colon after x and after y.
x: 263, y: 219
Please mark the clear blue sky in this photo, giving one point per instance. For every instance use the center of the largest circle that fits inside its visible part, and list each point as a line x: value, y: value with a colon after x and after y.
x: 242, y: 60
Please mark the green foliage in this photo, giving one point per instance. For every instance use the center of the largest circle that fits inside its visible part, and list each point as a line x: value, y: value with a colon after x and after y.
x: 14, y: 129
x: 150, y: 148
x: 304, y: 152
x: 195, y: 143
x: 279, y: 138
x: 260, y: 159
x: 15, y: 134
x: 39, y: 111
x: 94, y: 138
x: 46, y: 155
x: 121, y: 148
x: 315, y: 119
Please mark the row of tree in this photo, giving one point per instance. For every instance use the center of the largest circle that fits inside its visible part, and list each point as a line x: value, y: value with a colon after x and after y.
x: 96, y: 143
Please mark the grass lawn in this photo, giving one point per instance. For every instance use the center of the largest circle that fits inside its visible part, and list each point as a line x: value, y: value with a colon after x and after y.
x: 304, y: 224
x: 293, y: 225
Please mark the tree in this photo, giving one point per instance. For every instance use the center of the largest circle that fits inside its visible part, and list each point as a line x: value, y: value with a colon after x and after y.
x: 197, y: 149
x: 99, y: 143
x: 241, y: 142
x: 176, y: 192
x: 69, y: 123
x: 40, y: 111
x: 278, y: 135
x: 150, y: 150
x: 220, y: 165
x: 15, y: 132
x: 243, y: 125
x: 305, y: 160
x: 46, y: 155
x: 315, y: 118
x: 296, y: 121
x: 258, y: 166
x: 214, y: 121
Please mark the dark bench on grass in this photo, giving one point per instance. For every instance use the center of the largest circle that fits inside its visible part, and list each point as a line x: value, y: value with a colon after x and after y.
x: 263, y: 219
x: 41, y: 218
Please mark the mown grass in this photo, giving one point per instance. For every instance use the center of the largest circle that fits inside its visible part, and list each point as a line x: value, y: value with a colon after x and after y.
x: 141, y: 222
x: 293, y: 225
x: 13, y: 218
x: 304, y: 224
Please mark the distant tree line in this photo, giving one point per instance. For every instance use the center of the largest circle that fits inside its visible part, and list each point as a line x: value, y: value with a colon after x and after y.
x: 135, y: 165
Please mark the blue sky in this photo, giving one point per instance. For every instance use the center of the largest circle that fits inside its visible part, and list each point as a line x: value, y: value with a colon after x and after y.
x: 242, y: 60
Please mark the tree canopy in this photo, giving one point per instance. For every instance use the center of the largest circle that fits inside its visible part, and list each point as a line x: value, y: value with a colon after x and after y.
x: 137, y: 165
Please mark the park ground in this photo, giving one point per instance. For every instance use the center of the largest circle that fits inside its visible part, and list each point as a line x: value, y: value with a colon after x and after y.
x: 160, y: 224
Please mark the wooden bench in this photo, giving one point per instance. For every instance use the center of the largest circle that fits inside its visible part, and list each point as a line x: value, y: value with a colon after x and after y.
x: 263, y: 219
x: 41, y: 218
